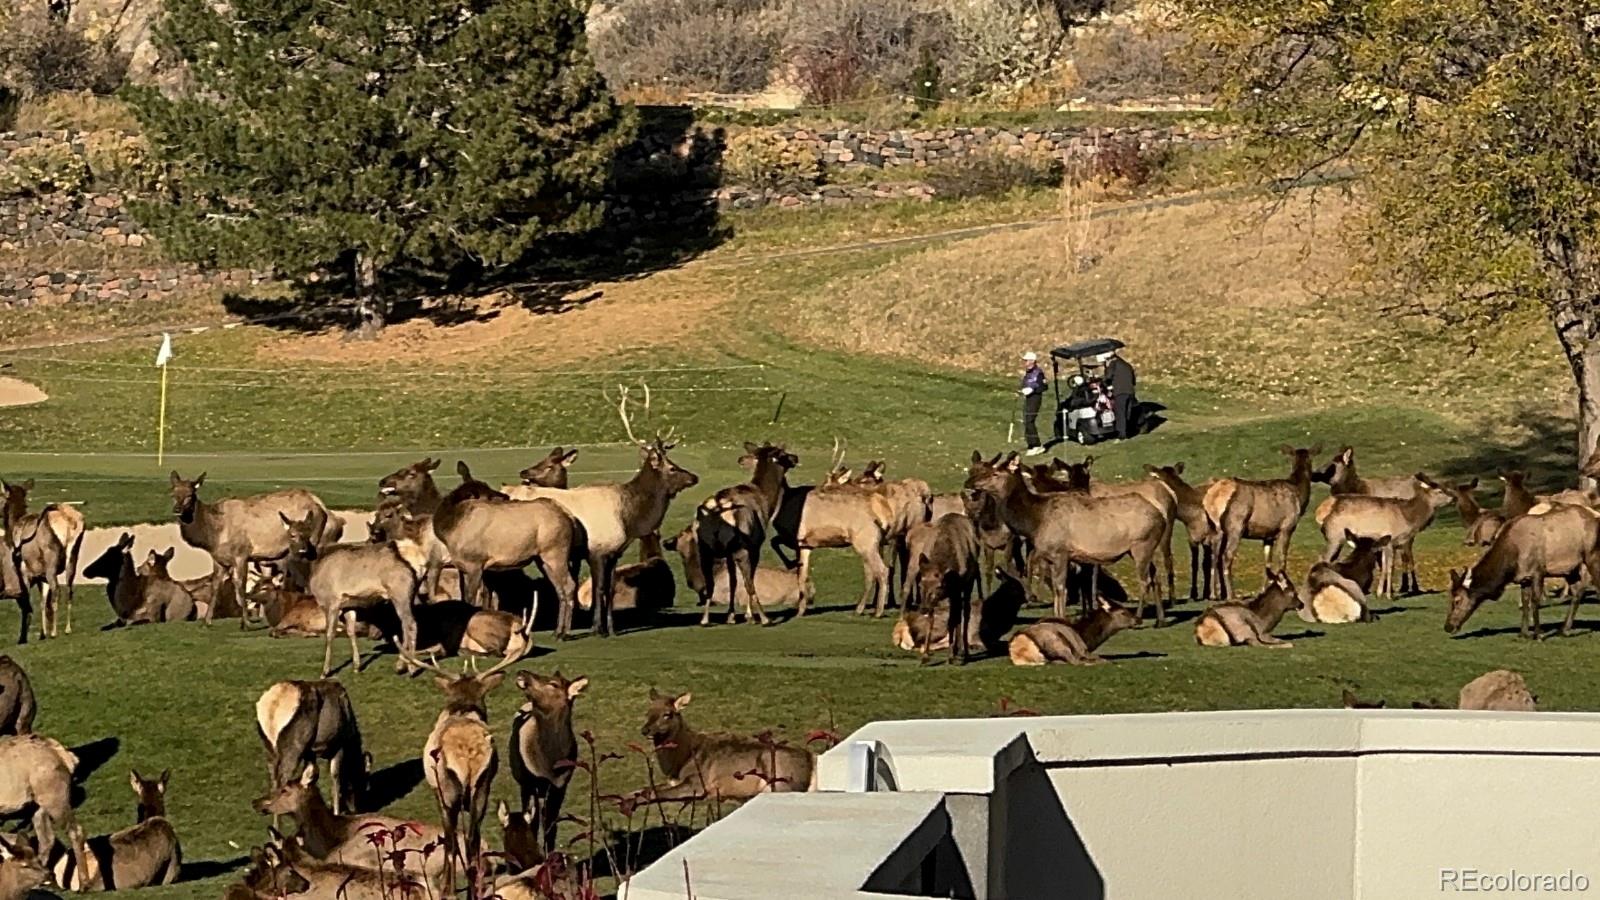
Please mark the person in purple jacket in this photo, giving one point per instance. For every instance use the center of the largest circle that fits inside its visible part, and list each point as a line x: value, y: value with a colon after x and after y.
x: 1032, y: 391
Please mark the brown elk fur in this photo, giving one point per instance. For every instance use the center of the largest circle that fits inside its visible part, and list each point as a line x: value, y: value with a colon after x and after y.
x: 1481, y: 524
x: 775, y: 586
x: 947, y: 572
x: 1348, y: 516
x: 1336, y: 592
x: 719, y: 766
x: 138, y: 599
x: 1518, y: 499
x: 544, y: 751
x: 392, y: 521
x: 343, y: 839
x: 1251, y: 622
x: 1266, y: 511
x: 645, y: 587
x: 142, y: 855
x: 17, y: 703
x: 21, y: 872
x: 731, y: 527
x: 1561, y: 542
x: 36, y: 773
x: 350, y: 576
x: 50, y: 541
x: 1153, y: 491
x: 413, y: 487
x: 1053, y: 640
x: 300, y: 722
x: 911, y: 500
x: 1341, y: 477
x: 991, y: 620
x: 1203, y: 532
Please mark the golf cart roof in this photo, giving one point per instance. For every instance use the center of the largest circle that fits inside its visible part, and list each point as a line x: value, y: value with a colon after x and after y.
x: 1086, y: 349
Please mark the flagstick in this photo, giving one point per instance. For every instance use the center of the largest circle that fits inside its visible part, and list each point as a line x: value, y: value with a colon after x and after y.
x: 161, y: 423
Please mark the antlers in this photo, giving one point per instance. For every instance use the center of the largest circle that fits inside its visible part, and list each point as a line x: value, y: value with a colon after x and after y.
x: 838, y: 455
x: 662, y: 442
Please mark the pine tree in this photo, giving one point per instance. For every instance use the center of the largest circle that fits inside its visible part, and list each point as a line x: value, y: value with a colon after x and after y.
x: 376, y: 138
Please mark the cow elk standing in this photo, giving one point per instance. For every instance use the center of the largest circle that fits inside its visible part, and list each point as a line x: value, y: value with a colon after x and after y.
x: 1266, y: 511
x: 142, y: 855
x: 911, y: 500
x: 1481, y: 524
x: 1341, y: 477
x: 300, y: 722
x: 345, y: 577
x: 138, y: 599
x: 1153, y: 491
x: 1235, y: 622
x: 36, y: 774
x: 49, y: 542
x: 776, y: 586
x: 239, y: 531
x: 544, y: 749
x: 1560, y: 542
x: 1203, y: 532
x: 12, y: 586
x: 17, y: 703
x: 731, y: 527
x: 1350, y: 516
x: 947, y: 571
x: 1059, y: 641
x: 719, y: 766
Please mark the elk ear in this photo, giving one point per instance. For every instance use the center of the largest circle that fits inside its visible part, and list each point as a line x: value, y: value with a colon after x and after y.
x: 1178, y: 467
x: 443, y: 681
x: 135, y: 782
x: 308, y: 777
x: 490, y: 682
x: 161, y: 783
x: 200, y: 480
x: 1286, y: 450
x: 1314, y: 450
x: 977, y: 458
x: 751, y: 449
x: 1103, y: 604
x: 1150, y: 470
x: 1088, y: 461
x: 576, y: 686
x: 287, y: 522
x: 1347, y: 455
x: 167, y: 556
x: 28, y: 485
x: 503, y: 813
x: 462, y: 470
x: 429, y: 464
x: 655, y: 694
x: 682, y: 700
x: 176, y: 478
x: 524, y: 681
x: 125, y: 541
x: 567, y: 458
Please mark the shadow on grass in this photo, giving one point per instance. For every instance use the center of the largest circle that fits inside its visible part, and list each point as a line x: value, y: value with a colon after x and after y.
x: 636, y: 850
x: 1546, y: 450
x: 210, y: 868
x: 1128, y: 657
x: 93, y: 755
x: 392, y: 783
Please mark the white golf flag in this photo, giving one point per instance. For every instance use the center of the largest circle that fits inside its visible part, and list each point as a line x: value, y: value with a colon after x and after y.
x: 165, y: 353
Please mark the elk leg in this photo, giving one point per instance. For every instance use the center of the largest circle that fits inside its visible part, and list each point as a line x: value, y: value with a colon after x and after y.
x: 876, y: 577
x: 746, y: 562
x: 805, y: 580
x: 956, y: 623
x: 708, y: 573
x: 330, y: 615
x: 602, y: 570
x: 1153, y: 592
x: 47, y: 612
x: 1166, y: 561
x: 733, y: 593
x: 25, y: 609
x: 1227, y: 546
x: 1060, y: 574
x: 1535, y: 601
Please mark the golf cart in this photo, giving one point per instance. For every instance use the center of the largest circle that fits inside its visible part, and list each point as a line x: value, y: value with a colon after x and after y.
x: 1084, y: 414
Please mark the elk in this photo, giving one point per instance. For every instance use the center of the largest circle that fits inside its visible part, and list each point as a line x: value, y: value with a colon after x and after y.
x: 1053, y: 640
x: 136, y: 599
x: 1203, y: 532
x: 1518, y: 499
x: 49, y: 541
x: 1341, y: 478
x: 1560, y: 542
x: 351, y: 576
x: 1070, y: 527
x: 17, y: 703
x: 615, y: 515
x: 1336, y: 592
x: 36, y: 774
x: 947, y: 571
x: 459, y: 761
x: 393, y: 521
x: 553, y: 472
x: 544, y: 750
x: 719, y: 766
x: 239, y: 531
x: 731, y: 526
x: 300, y: 722
x: 777, y: 586
x: 142, y: 855
x: 485, y: 529
x: 1501, y: 690
x: 1155, y: 492
x: 1266, y: 511
x: 412, y: 486
x: 205, y: 590
x: 524, y: 847
x: 344, y: 839
x: 1349, y: 516
x: 645, y: 587
x: 1249, y: 622
x: 911, y: 500
x: 457, y: 628
x: 986, y: 629
x: 283, y: 869
x: 1481, y: 524
x: 12, y: 586
x: 21, y: 873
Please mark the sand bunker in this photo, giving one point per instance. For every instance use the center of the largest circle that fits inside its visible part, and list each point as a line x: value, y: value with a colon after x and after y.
x: 19, y: 393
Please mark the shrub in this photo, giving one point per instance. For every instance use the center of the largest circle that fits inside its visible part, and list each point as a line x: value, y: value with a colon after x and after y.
x: 43, y: 169
x: 1131, y: 62
x: 838, y: 50
x: 761, y: 159
x: 40, y: 54
x: 120, y: 160
x: 995, y: 170
x: 702, y: 45
x: 75, y: 111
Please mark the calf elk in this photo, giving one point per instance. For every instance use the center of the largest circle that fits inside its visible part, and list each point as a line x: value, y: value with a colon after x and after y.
x: 1350, y: 516
x: 49, y: 542
x: 17, y: 703
x: 347, y: 839
x: 138, y: 599
x: 1235, y: 622
x: 544, y: 749
x: 300, y: 722
x: 640, y: 588
x: 1266, y: 511
x: 142, y: 855
x: 1054, y: 640
x: 1560, y: 542
x: 719, y: 766
x: 36, y: 775
x: 350, y: 576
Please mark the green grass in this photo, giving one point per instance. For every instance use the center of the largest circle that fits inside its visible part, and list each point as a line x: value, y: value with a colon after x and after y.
x: 180, y: 696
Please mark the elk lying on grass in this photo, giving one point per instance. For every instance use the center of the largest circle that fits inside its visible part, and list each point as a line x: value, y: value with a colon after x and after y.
x: 350, y: 576
x: 1336, y: 592
x: 484, y: 529
x: 1481, y: 524
x: 1560, y: 542
x: 239, y: 531
x: 731, y: 527
x: 1518, y: 499
x: 1250, y: 623
x: 36, y: 775
x: 991, y: 620
x: 1203, y: 532
x: 413, y: 487
x: 206, y: 591
x: 1350, y: 516
x: 142, y: 855
x: 49, y: 542
x: 1266, y: 511
x: 346, y: 839
x: 1053, y: 640
x: 639, y: 588
x: 719, y: 766
x: 138, y: 599
x: 1501, y: 690
x: 1067, y: 528
x: 947, y: 572
x: 284, y: 869
x: 17, y: 703
x: 776, y: 587
x: 21, y: 872
x: 300, y: 722
x: 544, y: 751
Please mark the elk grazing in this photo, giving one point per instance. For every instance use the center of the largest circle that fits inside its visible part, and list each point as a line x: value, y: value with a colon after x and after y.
x: 138, y: 599
x: 36, y: 775
x: 777, y: 587
x: 1266, y: 511
x: 719, y: 766
x: 17, y: 703
x: 485, y: 529
x: 947, y: 571
x: 1249, y: 622
x: 413, y: 487
x: 1341, y: 478
x: 639, y: 588
x: 142, y: 855
x: 731, y: 526
x: 1054, y: 640
x: 1069, y: 527
x: 911, y: 500
x: 1336, y: 592
x: 990, y: 622
x: 1349, y: 516
x: 300, y: 722
x: 615, y: 515
x: 1560, y: 542
x: 351, y: 576
x: 1518, y: 499
x: 1203, y: 532
x: 239, y: 531
x: 49, y: 542
x: 392, y: 521
x: 345, y: 839
x: 1481, y: 524
x: 459, y: 761
x: 544, y: 750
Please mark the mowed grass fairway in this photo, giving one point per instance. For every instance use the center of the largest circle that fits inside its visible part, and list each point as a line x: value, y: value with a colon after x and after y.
x: 902, y: 351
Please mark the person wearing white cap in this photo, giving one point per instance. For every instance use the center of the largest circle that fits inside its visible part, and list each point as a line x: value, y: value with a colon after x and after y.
x: 1032, y: 391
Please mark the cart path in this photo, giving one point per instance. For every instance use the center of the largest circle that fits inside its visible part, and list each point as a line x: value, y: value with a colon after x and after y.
x: 187, y: 561
x: 16, y: 392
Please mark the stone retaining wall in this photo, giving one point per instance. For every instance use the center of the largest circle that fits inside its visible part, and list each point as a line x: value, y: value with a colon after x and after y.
x: 19, y: 290
x: 57, y: 218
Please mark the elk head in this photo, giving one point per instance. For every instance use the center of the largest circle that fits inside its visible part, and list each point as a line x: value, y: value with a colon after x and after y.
x: 471, y: 488
x: 186, y: 496
x: 1438, y: 495
x: 550, y: 472
x: 20, y: 869
x: 152, y: 793
x: 686, y: 544
x: 155, y: 563
x: 997, y: 477
x: 775, y: 454
x: 302, y: 536
x: 108, y: 565
x: 1463, y: 601
x: 11, y: 584
x: 1119, y: 617
x: 410, y: 482
x: 16, y: 498
x: 674, y: 478
x: 524, y: 846
x: 1302, y: 457
x: 468, y: 693
x: 293, y: 798
x: 550, y: 695
x: 663, y: 719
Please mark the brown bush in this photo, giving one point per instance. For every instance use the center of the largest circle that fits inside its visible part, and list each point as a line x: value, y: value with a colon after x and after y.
x: 40, y: 54
x: 840, y: 50
x: 1134, y: 62
x: 995, y: 170
x: 762, y: 159
x: 700, y: 45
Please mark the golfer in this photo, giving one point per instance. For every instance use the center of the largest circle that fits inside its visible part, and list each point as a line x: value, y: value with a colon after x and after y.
x: 1032, y: 391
